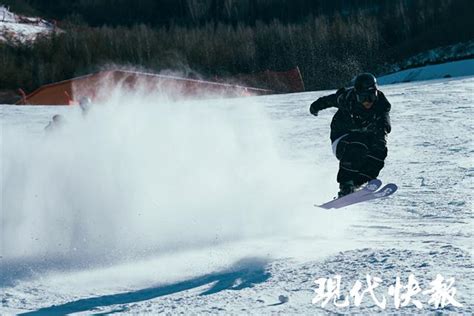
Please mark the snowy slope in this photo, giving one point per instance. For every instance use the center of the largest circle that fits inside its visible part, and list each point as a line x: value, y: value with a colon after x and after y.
x: 446, y: 70
x: 150, y: 206
x: 459, y: 51
x: 20, y: 28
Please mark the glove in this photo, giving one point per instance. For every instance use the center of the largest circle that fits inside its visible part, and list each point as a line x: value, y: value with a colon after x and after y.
x: 313, y: 110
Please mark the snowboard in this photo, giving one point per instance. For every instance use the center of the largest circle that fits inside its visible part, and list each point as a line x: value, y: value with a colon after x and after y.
x: 366, y: 193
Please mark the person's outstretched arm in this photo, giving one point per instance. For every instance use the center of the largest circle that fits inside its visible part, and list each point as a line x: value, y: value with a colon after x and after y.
x: 325, y: 102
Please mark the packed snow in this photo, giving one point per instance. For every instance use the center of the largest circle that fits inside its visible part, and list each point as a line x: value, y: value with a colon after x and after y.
x: 148, y: 205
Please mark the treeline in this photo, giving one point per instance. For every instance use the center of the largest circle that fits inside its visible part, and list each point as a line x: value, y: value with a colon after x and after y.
x: 328, y: 48
x: 195, y: 12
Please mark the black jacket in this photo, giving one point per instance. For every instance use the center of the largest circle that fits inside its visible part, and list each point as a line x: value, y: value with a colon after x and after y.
x: 352, y: 116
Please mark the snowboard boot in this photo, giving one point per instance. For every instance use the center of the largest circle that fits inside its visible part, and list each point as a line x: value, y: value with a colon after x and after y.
x: 346, y: 188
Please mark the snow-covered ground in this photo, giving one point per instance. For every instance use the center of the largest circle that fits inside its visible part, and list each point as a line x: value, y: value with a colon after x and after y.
x: 206, y: 207
x: 457, y: 51
x: 452, y: 69
x: 20, y: 28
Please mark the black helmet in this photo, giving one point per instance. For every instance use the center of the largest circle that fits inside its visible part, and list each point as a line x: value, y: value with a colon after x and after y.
x: 365, y: 82
x: 365, y: 87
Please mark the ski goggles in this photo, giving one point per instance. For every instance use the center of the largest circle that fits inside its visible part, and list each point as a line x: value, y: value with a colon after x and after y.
x: 367, y: 96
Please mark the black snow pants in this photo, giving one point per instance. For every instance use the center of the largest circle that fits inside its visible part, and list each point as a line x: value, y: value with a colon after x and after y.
x: 361, y: 157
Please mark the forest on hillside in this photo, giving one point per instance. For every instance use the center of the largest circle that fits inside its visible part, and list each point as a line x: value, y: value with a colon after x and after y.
x: 198, y: 12
x: 330, y: 41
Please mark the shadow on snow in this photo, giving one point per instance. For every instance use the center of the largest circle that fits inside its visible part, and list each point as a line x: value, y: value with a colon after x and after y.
x: 243, y: 274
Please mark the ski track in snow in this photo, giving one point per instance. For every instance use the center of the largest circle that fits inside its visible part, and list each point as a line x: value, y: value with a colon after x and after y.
x: 424, y: 229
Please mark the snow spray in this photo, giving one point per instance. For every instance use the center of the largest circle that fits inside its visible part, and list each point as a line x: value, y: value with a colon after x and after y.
x: 147, y: 175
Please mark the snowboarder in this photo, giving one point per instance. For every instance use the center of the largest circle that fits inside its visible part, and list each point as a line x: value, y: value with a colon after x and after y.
x: 85, y: 104
x: 56, y: 123
x: 358, y: 131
